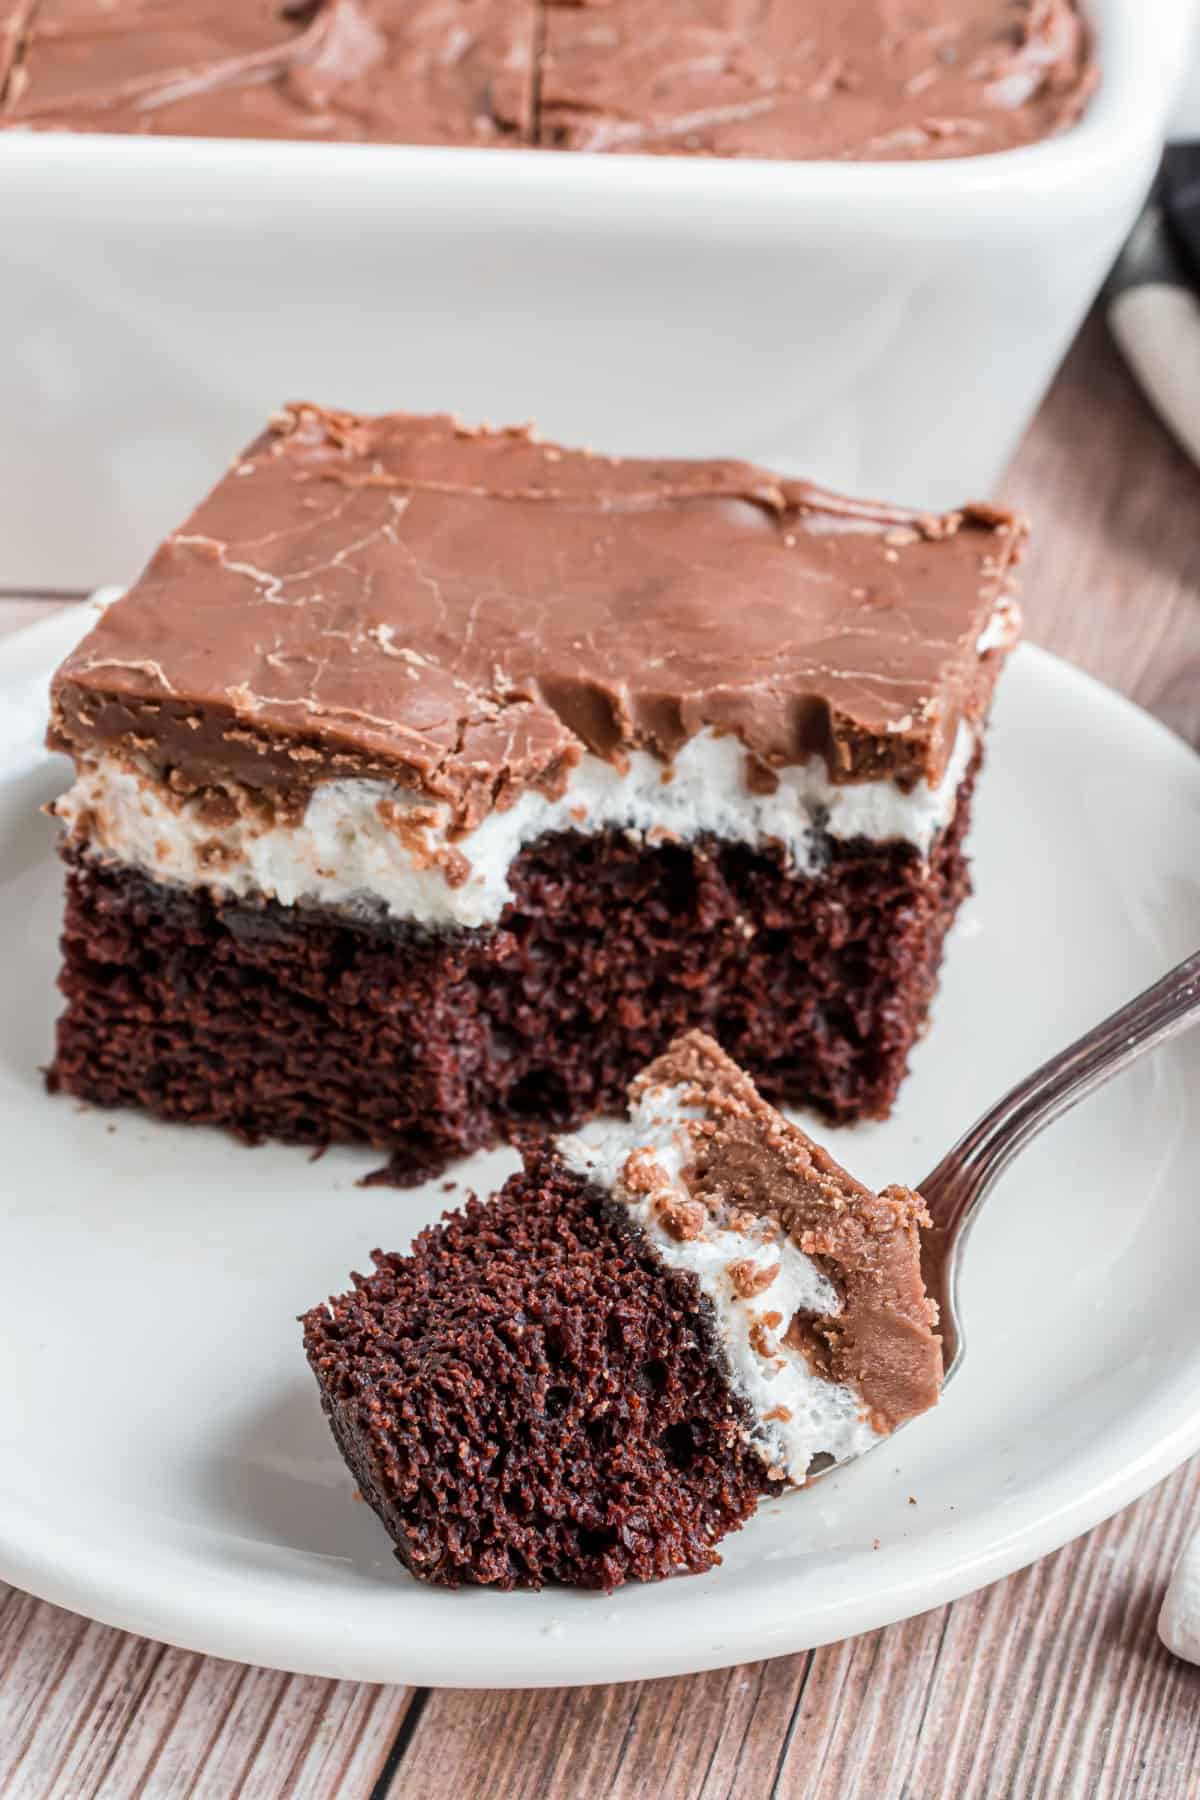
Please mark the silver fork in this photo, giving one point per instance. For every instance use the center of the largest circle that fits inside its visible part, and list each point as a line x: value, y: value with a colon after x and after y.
x: 957, y: 1188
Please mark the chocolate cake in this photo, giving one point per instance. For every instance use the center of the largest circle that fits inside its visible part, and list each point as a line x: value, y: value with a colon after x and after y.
x: 595, y: 1375
x: 432, y: 779
x: 774, y: 78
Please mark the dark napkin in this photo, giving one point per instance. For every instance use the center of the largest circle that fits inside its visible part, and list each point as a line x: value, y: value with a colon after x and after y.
x: 1153, y: 295
x: 1180, y: 185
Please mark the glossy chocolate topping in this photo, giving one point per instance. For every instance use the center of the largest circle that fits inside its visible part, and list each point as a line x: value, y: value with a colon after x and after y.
x: 465, y: 611
x: 406, y: 71
x: 857, y: 78
x: 775, y: 78
x: 747, y: 1157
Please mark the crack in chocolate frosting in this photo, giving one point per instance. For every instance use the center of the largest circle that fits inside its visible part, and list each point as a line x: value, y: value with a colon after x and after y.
x: 874, y: 79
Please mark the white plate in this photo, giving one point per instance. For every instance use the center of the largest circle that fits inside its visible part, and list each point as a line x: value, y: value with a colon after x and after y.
x: 164, y: 1465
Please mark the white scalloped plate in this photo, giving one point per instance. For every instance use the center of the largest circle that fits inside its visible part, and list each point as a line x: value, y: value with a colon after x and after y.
x: 164, y: 1465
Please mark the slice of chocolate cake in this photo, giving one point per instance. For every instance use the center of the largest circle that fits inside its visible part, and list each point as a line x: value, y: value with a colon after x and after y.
x: 432, y: 779
x: 595, y: 1375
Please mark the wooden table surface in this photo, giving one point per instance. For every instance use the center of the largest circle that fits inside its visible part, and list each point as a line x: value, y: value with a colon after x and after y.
x: 1050, y: 1683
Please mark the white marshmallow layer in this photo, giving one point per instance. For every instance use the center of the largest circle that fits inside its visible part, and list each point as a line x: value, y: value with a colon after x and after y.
x: 819, y: 1416
x: 347, y: 851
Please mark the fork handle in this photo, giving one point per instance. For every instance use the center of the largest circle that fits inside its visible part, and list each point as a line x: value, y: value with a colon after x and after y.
x: 954, y: 1190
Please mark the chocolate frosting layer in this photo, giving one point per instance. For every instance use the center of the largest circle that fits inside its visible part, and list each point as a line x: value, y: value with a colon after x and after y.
x: 466, y: 611
x: 885, y: 79
x: 775, y: 78
x: 405, y: 71
x: 747, y: 1157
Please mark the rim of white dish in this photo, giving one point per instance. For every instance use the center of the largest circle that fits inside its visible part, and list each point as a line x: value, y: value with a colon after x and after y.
x: 276, y: 1618
x: 227, y: 180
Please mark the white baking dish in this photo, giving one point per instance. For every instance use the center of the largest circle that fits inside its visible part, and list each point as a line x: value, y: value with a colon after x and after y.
x: 885, y: 328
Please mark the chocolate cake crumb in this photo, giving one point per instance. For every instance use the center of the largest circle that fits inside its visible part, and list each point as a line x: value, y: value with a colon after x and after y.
x: 531, y: 1396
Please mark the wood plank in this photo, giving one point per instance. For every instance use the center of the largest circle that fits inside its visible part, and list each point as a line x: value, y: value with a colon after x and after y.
x: 92, y: 1714
x: 601, y: 1740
